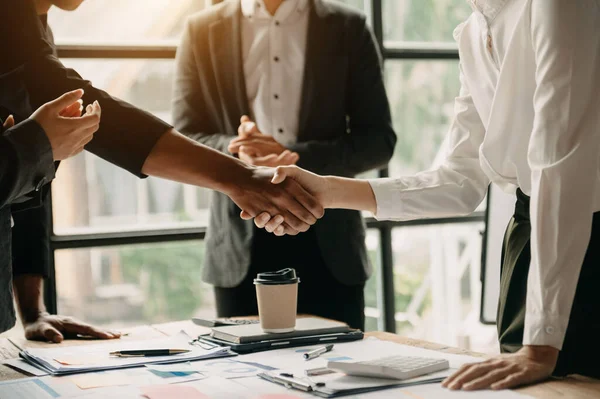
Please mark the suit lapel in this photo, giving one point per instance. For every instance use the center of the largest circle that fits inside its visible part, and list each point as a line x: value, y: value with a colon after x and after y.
x: 316, y: 40
x: 227, y: 62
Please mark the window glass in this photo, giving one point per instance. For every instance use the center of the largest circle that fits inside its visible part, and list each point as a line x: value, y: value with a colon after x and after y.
x: 122, y: 22
x: 421, y: 95
x: 92, y: 195
x: 373, y: 309
x: 406, y: 21
x: 133, y: 284
x: 437, y: 285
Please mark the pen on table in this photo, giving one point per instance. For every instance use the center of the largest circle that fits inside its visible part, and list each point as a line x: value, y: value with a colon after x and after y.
x: 148, y: 352
x: 318, y: 352
x: 318, y: 371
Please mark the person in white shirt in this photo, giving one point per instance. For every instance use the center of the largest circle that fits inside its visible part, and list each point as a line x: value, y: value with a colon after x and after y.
x: 309, y: 75
x: 527, y: 118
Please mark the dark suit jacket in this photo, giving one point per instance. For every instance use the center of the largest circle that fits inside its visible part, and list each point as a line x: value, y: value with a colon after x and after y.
x: 345, y: 124
x: 125, y: 138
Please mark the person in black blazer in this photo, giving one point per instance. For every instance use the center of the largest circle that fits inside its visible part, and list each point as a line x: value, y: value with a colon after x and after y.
x: 324, y: 108
x: 129, y: 138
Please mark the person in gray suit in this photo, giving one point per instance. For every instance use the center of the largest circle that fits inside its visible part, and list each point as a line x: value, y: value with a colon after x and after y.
x: 276, y: 83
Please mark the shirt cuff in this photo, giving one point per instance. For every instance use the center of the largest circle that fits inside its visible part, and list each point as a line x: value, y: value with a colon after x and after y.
x: 545, y: 329
x: 388, y: 204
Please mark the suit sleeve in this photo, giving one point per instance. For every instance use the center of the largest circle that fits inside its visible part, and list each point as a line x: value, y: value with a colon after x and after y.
x: 26, y: 161
x: 189, y: 111
x: 371, y: 140
x: 126, y: 135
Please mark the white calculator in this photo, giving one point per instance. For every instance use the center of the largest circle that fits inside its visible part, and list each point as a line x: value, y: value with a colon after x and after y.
x: 394, y: 367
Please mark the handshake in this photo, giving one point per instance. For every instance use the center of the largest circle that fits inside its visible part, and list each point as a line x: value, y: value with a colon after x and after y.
x: 279, y: 196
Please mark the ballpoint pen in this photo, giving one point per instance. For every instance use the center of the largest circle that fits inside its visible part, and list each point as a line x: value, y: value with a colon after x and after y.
x: 148, y: 352
x: 318, y: 352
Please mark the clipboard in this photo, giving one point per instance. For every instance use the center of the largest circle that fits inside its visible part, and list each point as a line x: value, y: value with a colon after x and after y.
x: 207, y: 341
x: 338, y: 385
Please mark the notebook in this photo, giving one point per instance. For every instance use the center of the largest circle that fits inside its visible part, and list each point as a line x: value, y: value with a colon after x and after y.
x: 253, y: 332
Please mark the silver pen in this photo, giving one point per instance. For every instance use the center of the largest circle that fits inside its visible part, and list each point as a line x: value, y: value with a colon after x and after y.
x: 318, y: 352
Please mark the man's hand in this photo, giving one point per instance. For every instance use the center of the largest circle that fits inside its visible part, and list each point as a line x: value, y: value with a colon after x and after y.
x: 67, y: 131
x: 256, y: 148
x: 55, y: 329
x: 529, y: 365
x: 289, y: 201
x: 39, y: 324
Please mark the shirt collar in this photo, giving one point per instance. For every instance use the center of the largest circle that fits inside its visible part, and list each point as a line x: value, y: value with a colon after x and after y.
x: 489, y: 8
x: 256, y: 8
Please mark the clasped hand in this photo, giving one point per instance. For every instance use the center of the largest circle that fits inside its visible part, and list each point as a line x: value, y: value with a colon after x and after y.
x: 258, y: 149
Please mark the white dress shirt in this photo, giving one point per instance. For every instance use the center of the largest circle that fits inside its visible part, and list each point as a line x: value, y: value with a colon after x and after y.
x: 527, y: 116
x: 273, y: 50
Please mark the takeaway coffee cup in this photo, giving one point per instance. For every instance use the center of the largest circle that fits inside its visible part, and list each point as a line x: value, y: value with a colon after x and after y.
x: 277, y: 295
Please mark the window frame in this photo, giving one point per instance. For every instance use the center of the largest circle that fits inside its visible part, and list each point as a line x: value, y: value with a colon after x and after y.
x: 387, y: 322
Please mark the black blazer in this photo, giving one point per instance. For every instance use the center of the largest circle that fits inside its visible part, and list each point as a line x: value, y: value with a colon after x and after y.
x: 345, y: 124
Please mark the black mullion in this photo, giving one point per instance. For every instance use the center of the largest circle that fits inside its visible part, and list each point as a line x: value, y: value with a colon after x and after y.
x: 50, y: 296
x: 386, y: 285
x: 419, y: 54
x: 127, y: 238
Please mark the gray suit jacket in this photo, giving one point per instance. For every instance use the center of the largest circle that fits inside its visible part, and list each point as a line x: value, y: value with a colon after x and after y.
x: 345, y: 124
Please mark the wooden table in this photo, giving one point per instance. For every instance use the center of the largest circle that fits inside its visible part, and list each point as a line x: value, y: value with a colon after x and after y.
x: 569, y: 388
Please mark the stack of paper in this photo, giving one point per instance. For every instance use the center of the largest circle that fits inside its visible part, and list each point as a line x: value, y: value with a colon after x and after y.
x: 71, y: 360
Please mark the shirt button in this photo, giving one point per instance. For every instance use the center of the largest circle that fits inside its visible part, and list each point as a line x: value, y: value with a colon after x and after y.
x: 276, y: 96
x: 277, y: 23
x: 276, y: 59
x: 280, y: 130
x: 550, y: 330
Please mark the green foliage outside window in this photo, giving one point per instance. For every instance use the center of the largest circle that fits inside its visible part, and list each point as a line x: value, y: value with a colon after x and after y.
x: 170, y: 277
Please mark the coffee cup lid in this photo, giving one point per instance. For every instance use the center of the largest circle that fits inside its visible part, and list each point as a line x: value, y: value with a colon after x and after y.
x: 284, y: 276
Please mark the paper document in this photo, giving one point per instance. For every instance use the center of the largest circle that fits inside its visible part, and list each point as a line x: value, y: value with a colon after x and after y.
x: 61, y: 360
x: 367, y: 349
x: 172, y: 391
x: 22, y: 365
x: 28, y: 388
x: 435, y: 391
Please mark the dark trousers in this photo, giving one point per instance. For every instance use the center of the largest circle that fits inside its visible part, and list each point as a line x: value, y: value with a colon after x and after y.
x: 580, y: 352
x: 319, y: 293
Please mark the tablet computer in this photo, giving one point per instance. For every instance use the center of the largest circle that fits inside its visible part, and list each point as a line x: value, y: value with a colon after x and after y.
x: 208, y: 341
